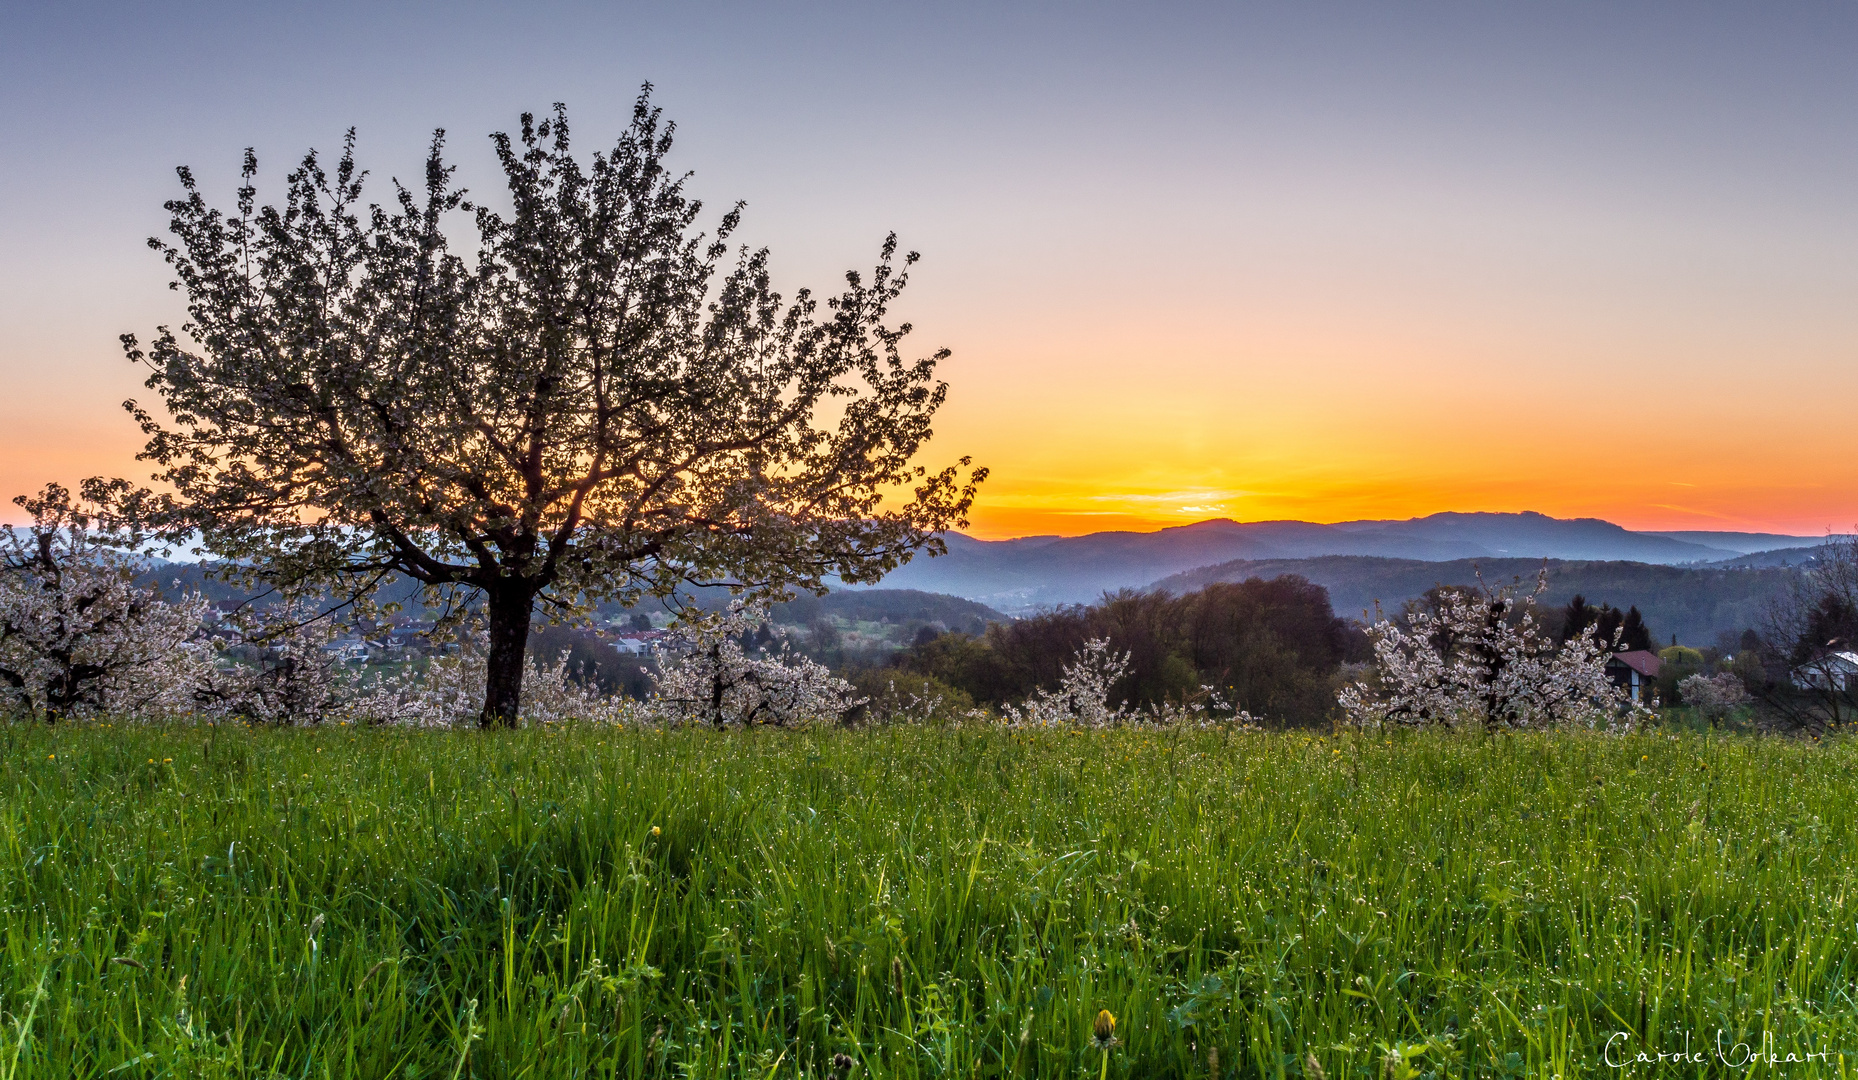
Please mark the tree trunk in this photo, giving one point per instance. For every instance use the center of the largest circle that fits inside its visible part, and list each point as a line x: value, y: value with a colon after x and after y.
x: 510, y: 611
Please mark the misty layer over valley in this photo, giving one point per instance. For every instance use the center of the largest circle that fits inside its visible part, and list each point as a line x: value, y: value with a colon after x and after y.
x: 1696, y: 585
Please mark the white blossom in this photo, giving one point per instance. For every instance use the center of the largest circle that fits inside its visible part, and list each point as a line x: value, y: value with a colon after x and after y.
x: 708, y: 678
x: 292, y: 678
x: 1082, y: 699
x: 1713, y: 695
x: 450, y: 693
x: 894, y: 709
x: 711, y: 679
x: 78, y: 636
x: 1482, y: 660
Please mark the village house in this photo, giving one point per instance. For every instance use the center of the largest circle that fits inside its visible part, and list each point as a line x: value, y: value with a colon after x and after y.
x: 1836, y: 671
x: 348, y: 648
x: 638, y: 642
x: 1634, y: 671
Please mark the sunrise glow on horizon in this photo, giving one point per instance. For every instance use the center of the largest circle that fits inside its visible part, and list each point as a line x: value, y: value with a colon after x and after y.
x: 1192, y: 263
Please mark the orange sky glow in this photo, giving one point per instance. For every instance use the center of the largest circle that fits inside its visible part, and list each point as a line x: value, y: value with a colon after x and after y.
x: 1585, y: 260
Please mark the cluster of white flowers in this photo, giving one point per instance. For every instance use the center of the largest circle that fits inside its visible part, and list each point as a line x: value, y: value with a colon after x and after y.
x: 79, y: 637
x: 291, y: 678
x: 903, y: 708
x: 710, y: 678
x: 1482, y: 660
x: 1715, y: 696
x: 450, y: 693
x: 1082, y: 699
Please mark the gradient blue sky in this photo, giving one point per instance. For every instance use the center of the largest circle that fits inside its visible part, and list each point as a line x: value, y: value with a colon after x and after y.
x: 1315, y: 261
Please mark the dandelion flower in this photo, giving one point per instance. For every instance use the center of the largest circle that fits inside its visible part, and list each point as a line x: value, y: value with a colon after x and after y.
x: 1104, y: 1030
x: 656, y: 830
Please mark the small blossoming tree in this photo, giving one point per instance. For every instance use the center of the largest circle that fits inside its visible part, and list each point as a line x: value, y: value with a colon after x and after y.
x: 1481, y: 659
x: 1714, y: 696
x: 291, y: 676
x: 1083, y: 694
x: 717, y: 681
x: 1082, y: 699
x: 78, y: 636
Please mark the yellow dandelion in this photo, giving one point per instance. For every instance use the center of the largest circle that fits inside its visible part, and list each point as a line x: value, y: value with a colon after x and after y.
x: 1104, y: 1030
x: 656, y: 830
x: 1103, y: 1034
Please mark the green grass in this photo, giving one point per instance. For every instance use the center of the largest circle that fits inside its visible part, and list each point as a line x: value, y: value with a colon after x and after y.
x: 599, y: 903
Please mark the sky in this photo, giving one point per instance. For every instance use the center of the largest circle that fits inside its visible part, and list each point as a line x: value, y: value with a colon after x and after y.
x: 1317, y: 261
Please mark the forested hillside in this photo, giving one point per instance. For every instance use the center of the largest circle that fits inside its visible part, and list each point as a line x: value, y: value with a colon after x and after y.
x: 1695, y: 604
x: 1272, y: 648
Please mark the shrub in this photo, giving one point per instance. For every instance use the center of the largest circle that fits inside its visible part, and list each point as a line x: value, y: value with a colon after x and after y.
x: 1082, y: 699
x: 275, y: 669
x: 894, y: 696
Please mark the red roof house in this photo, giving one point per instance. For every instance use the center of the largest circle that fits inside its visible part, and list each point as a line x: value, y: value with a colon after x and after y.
x: 1633, y: 671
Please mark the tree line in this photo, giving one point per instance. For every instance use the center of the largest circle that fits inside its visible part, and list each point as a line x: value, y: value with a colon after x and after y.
x: 1272, y: 648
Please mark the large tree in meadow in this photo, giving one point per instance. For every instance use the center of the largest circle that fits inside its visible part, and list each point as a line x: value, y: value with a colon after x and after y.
x: 595, y: 401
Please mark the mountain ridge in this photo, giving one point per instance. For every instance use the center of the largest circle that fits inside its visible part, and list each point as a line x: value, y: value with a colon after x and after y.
x: 1697, y: 604
x: 1028, y: 573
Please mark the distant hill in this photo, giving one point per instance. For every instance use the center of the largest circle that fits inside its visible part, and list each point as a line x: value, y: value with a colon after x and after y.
x: 1744, y: 543
x: 1786, y: 556
x: 901, y: 606
x: 1694, y: 603
x: 1533, y: 535
x: 177, y: 578
x: 1032, y: 572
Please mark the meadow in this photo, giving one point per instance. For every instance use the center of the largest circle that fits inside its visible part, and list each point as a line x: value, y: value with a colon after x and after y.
x: 595, y: 902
